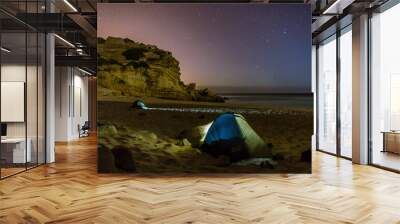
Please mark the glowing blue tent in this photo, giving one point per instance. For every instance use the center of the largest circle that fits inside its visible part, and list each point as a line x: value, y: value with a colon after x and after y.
x: 231, y: 135
x: 139, y: 104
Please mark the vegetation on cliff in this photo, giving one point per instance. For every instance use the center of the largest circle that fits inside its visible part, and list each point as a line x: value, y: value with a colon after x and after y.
x: 128, y: 68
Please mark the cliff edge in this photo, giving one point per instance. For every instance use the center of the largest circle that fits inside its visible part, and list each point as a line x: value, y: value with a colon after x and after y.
x: 128, y: 68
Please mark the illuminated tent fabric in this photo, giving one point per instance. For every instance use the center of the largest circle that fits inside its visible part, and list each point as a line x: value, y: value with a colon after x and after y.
x: 139, y: 104
x: 232, y: 136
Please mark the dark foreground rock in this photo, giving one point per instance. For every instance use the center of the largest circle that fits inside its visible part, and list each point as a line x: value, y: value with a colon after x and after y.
x: 105, y: 160
x: 234, y: 149
x: 306, y: 156
x: 124, y: 159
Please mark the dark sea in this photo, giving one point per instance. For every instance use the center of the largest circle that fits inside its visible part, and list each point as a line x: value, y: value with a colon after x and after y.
x: 291, y: 100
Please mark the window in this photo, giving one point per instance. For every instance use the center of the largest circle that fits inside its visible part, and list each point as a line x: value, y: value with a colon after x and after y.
x: 346, y: 92
x: 385, y: 89
x: 327, y: 95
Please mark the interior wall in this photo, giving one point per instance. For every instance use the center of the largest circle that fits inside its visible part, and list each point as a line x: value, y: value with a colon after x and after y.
x: 71, y: 102
x: 314, y: 91
x: 81, y: 113
x: 16, y: 73
x: 92, y: 109
x: 62, y: 83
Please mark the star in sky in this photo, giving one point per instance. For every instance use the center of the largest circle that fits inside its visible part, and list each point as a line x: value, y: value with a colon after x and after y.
x: 223, y: 44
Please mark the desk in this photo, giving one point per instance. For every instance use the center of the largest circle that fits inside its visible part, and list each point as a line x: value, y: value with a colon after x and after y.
x: 13, y: 150
x: 391, y: 141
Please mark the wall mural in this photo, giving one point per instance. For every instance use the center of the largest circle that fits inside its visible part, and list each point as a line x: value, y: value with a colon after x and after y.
x: 204, y: 88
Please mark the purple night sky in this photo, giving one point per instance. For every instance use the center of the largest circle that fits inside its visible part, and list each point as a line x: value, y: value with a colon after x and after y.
x: 263, y: 48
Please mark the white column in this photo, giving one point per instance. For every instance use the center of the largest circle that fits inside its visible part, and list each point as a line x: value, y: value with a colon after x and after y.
x: 360, y: 90
x: 50, y: 99
x: 50, y: 92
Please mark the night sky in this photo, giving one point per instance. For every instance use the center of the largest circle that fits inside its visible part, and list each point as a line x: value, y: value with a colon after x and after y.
x: 261, y: 48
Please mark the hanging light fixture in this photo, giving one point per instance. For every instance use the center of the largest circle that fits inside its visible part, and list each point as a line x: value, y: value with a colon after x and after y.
x: 70, y: 5
x: 5, y: 50
x: 64, y: 40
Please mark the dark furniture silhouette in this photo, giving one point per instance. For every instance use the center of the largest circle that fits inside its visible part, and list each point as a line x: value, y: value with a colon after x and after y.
x: 84, y: 129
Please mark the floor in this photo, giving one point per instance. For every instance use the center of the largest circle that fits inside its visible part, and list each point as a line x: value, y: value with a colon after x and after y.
x: 387, y: 159
x: 70, y: 191
x: 5, y: 172
x: 10, y: 171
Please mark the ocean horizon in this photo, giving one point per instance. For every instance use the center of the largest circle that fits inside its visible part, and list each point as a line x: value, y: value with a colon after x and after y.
x: 291, y: 100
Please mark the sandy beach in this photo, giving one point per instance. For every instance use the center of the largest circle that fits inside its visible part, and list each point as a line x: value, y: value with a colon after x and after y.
x: 154, y: 136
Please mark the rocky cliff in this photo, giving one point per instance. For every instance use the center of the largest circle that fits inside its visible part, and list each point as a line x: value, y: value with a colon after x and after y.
x: 128, y: 68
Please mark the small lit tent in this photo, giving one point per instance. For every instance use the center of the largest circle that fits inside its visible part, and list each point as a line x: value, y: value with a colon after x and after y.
x: 139, y: 104
x: 232, y: 136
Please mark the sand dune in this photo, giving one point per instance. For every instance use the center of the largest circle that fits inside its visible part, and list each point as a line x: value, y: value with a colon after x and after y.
x: 153, y: 136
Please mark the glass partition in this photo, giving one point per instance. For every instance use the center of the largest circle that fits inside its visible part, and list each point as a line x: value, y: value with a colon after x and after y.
x: 22, y: 88
x: 327, y: 95
x: 14, y: 153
